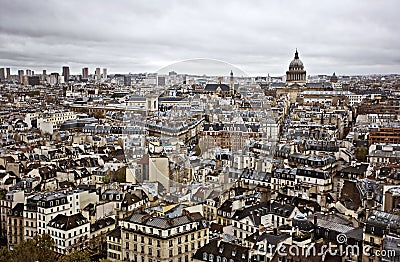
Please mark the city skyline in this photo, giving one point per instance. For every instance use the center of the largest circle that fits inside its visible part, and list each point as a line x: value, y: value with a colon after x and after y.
x: 260, y: 39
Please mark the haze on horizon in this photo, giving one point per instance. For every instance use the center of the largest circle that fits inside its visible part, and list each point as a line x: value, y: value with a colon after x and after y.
x: 259, y: 37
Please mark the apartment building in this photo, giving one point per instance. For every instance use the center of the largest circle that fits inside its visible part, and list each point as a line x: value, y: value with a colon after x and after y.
x: 70, y: 233
x: 146, y: 238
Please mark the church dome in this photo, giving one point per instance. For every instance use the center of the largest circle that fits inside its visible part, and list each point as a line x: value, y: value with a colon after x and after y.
x: 296, y: 73
x: 296, y: 62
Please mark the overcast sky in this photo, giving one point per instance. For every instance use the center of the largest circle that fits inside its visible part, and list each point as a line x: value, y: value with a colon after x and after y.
x: 259, y: 37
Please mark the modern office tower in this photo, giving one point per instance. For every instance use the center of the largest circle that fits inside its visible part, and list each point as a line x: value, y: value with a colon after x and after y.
x: 85, y: 73
x: 161, y: 80
x: 105, y: 73
x: 21, y: 76
x: 54, y: 78
x: 28, y: 72
x: 97, y: 74
x: 2, y: 74
x: 33, y: 80
x: 127, y: 80
x: 8, y: 70
x: 65, y: 73
x: 44, y: 73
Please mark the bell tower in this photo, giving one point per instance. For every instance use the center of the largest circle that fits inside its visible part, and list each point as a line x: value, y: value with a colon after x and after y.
x: 232, y: 84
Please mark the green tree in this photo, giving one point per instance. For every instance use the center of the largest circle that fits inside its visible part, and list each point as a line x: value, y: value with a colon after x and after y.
x: 361, y: 153
x: 198, y: 150
x: 121, y: 175
x: 77, y: 256
x: 37, y: 249
x: 98, y: 114
x: 5, y: 254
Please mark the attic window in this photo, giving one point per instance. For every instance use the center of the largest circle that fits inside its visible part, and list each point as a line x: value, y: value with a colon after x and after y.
x: 233, y: 253
x: 205, y: 256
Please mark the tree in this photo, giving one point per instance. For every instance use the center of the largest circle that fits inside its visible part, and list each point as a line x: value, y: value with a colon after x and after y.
x: 37, y: 249
x: 361, y: 153
x: 76, y: 256
x: 98, y: 114
x: 198, y: 150
x: 5, y: 254
x: 121, y: 175
x: 104, y: 260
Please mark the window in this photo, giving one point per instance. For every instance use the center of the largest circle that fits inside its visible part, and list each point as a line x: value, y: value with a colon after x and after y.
x: 127, y: 245
x: 371, y: 240
x: 170, y: 253
x: 127, y: 236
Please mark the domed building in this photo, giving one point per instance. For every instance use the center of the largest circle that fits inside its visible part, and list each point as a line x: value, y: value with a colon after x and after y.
x: 334, y: 78
x: 296, y: 73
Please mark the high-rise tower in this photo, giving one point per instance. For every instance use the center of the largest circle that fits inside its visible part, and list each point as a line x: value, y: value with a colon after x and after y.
x: 65, y: 73
x: 232, y: 84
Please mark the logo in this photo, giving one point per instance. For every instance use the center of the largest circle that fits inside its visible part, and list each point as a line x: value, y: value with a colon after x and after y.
x: 341, y: 238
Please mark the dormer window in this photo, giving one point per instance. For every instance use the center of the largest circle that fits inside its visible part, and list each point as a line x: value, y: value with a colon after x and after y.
x: 205, y: 256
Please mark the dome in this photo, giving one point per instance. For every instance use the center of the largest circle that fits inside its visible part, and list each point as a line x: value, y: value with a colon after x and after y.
x: 296, y: 75
x: 296, y: 62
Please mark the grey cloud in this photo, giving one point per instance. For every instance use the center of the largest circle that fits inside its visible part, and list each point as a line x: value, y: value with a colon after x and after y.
x: 258, y: 36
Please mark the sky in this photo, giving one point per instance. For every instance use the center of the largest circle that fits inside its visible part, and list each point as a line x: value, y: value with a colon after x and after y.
x: 259, y: 37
